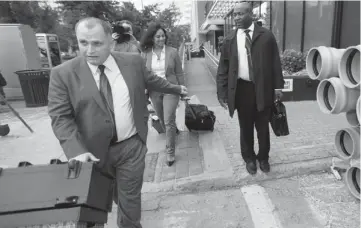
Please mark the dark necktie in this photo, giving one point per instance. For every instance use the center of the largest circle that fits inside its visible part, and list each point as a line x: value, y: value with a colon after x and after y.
x: 106, y: 94
x: 249, y: 57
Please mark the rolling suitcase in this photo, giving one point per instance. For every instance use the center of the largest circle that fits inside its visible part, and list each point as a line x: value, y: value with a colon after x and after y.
x: 59, y: 195
x: 199, y: 118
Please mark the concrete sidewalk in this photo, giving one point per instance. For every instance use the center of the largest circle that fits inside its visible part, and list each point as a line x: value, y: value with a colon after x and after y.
x: 200, y: 156
x: 317, y: 201
x: 178, y: 196
x: 204, y: 159
x: 309, y: 147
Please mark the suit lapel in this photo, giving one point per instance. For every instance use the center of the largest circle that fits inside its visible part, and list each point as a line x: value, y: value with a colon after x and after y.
x: 88, y: 82
x: 256, y: 33
x: 233, y: 50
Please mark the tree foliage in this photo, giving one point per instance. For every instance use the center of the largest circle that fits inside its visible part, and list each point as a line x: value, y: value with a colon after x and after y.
x: 61, y: 20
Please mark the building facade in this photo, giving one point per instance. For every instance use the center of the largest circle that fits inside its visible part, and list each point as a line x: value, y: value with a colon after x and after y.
x: 298, y: 25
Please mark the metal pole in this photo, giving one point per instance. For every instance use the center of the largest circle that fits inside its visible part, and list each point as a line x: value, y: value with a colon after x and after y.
x: 189, y: 52
x: 2, y: 98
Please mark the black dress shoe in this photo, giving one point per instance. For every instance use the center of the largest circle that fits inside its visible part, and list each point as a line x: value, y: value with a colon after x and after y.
x: 170, y: 159
x: 170, y: 163
x: 251, y: 167
x: 264, y: 166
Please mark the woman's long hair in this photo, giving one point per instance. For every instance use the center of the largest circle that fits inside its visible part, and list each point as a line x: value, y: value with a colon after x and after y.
x: 146, y: 42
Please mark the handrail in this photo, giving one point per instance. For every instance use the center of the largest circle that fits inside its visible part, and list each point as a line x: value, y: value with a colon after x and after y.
x: 212, y: 57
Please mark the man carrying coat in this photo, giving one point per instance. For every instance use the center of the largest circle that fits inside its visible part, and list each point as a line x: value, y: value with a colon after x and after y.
x: 98, y: 112
x: 249, y: 79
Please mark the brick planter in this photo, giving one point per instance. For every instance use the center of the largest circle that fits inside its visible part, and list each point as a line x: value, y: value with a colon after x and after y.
x: 299, y: 88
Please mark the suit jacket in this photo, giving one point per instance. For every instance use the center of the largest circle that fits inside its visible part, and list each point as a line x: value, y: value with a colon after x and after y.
x: 173, y: 65
x: 126, y: 47
x: 266, y: 65
x: 78, y: 115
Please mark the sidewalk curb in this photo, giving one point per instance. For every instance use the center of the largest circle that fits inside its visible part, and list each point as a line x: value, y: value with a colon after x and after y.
x: 179, y: 185
x: 224, y: 180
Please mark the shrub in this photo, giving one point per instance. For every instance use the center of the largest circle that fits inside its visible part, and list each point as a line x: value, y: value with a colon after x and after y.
x: 293, y: 61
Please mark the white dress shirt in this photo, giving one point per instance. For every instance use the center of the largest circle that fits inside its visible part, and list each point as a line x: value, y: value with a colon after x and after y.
x: 158, y: 64
x: 123, y: 112
x: 243, y: 71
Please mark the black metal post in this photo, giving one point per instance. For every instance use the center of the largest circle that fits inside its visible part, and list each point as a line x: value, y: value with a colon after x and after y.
x: 303, y: 25
x: 337, y: 23
x: 284, y: 27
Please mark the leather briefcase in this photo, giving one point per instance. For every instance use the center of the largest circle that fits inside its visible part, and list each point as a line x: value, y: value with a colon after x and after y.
x: 62, y: 194
x: 278, y: 119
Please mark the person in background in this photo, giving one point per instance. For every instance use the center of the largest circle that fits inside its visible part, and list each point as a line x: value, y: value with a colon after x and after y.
x: 98, y: 115
x: 165, y: 62
x: 249, y: 79
x: 201, y: 50
x: 2, y: 84
x: 124, y: 41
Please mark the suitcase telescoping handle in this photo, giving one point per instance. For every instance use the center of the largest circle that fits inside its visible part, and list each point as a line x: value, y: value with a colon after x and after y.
x: 186, y: 99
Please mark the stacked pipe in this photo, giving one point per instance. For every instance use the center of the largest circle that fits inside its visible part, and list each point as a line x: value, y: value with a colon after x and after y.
x: 339, y: 93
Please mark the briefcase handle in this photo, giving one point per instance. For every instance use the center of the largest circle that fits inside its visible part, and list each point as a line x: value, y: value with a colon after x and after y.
x: 74, y: 168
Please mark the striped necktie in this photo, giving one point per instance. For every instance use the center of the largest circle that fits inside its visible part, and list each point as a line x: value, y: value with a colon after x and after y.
x: 248, y: 46
x: 106, y: 94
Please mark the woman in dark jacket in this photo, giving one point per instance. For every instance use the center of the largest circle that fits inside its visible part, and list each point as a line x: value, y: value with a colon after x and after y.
x: 165, y: 62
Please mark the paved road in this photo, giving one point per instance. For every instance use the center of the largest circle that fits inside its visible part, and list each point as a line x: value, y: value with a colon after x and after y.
x: 311, y: 201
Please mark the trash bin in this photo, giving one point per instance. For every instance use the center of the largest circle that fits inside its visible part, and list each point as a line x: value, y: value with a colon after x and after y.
x: 35, y: 86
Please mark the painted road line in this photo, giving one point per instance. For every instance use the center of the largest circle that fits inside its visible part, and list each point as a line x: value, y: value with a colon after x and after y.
x: 261, y: 207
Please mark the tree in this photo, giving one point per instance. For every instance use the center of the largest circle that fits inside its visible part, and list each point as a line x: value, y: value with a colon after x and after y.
x: 73, y: 11
x: 169, y: 16
x: 149, y: 14
x: 185, y: 32
x: 6, y: 13
x: 61, y: 20
x: 42, y: 18
x: 46, y: 20
x: 140, y: 19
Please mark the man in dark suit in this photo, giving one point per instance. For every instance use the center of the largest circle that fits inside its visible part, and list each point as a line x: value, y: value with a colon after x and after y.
x: 249, y: 74
x: 98, y: 112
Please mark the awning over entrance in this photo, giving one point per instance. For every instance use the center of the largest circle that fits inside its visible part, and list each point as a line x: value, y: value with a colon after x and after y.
x: 211, y: 28
x: 220, y: 8
x: 215, y: 17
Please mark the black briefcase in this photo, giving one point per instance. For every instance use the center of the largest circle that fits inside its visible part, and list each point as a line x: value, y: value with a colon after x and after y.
x: 278, y: 119
x: 62, y: 194
x: 198, y: 117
